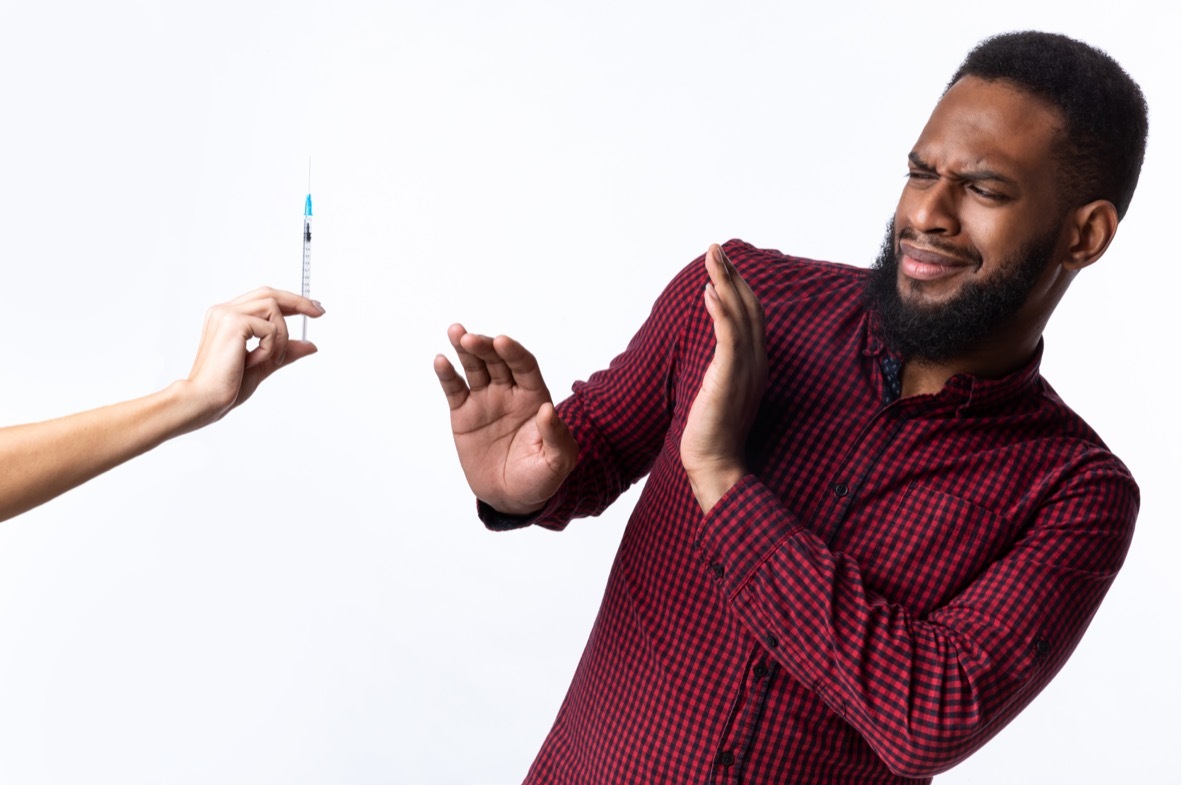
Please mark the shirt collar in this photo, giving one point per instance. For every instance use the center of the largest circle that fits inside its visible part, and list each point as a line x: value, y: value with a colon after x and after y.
x: 963, y: 392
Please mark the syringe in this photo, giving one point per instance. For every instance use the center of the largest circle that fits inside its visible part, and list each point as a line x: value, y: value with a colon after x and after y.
x: 307, y: 261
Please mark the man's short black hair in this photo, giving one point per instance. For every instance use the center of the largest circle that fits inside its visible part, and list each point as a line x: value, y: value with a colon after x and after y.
x: 1103, y: 107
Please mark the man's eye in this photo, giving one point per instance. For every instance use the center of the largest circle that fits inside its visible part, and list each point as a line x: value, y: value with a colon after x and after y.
x: 987, y: 193
x: 917, y: 175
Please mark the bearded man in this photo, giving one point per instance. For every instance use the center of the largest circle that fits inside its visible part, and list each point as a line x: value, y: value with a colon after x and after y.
x: 871, y: 531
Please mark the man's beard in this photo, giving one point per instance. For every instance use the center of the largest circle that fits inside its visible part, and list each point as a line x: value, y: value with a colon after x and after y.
x: 944, y: 331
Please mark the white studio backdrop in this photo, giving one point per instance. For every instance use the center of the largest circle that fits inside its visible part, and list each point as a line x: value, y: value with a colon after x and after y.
x: 302, y: 594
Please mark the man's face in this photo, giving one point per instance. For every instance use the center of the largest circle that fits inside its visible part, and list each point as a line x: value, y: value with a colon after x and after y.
x: 977, y: 225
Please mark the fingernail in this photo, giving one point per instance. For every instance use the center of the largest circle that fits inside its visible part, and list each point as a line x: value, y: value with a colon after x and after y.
x: 320, y: 307
x: 724, y: 260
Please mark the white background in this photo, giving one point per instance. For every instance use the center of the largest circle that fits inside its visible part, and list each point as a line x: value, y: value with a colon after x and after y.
x: 302, y: 594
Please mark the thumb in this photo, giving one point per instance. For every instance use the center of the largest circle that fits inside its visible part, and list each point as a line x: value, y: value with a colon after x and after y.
x: 297, y: 349
x: 561, y: 449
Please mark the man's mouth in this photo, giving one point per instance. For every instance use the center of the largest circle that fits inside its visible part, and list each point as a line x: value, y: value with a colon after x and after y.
x: 925, y: 264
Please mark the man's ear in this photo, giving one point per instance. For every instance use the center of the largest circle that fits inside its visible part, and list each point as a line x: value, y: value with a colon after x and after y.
x: 1091, y: 228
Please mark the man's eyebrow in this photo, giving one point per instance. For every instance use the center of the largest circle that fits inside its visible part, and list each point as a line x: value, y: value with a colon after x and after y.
x: 917, y: 161
x: 974, y: 175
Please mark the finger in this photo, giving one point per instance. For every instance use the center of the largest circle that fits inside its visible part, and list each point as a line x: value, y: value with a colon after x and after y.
x: 499, y: 354
x: 254, y: 376
x: 289, y: 303
x: 265, y: 331
x: 749, y: 300
x: 474, y: 368
x: 296, y: 350
x: 293, y: 351
x: 453, y: 385
x: 273, y: 339
x: 723, y: 324
x: 724, y: 280
x: 488, y: 351
x: 746, y: 298
x: 752, y: 307
x: 745, y: 327
x: 521, y: 364
x: 268, y: 309
x: 560, y: 448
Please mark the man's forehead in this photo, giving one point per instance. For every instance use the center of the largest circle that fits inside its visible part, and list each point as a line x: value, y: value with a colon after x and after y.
x: 982, y: 123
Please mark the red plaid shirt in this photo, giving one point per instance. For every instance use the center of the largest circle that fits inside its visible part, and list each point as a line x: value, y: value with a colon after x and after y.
x: 890, y: 586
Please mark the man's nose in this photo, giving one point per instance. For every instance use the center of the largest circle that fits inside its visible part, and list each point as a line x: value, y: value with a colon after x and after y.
x: 934, y: 210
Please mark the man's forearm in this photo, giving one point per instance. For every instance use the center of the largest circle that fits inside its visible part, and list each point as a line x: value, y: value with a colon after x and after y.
x: 925, y: 689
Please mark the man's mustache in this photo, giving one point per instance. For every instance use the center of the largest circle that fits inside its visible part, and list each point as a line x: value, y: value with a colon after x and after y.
x: 968, y: 254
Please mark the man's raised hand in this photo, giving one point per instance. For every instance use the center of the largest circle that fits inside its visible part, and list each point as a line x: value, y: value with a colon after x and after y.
x: 712, y: 447
x: 513, y: 448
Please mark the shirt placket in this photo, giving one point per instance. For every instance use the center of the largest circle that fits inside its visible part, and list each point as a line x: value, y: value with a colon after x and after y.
x: 857, y: 468
x: 743, y: 725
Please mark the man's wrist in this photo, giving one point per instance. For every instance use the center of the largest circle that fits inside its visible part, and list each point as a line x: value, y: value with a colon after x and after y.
x: 709, y: 484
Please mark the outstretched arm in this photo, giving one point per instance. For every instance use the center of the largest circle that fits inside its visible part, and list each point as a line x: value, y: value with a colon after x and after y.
x: 514, y: 449
x: 39, y: 461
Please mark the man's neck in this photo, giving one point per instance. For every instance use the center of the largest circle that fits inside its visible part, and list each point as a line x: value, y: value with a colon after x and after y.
x: 924, y: 377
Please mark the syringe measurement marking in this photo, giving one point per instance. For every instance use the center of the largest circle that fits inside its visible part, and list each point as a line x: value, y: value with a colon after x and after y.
x: 305, y: 270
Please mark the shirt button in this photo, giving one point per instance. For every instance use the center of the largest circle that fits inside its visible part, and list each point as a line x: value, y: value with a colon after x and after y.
x: 760, y: 670
x: 771, y: 641
x: 716, y: 568
x: 841, y: 489
x: 726, y: 758
x: 1041, y: 647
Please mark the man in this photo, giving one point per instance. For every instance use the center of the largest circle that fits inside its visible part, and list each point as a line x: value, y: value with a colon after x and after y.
x: 871, y: 532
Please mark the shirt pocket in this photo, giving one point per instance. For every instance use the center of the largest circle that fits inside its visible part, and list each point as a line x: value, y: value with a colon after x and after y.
x: 931, y: 546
